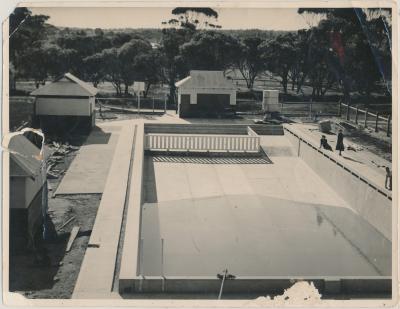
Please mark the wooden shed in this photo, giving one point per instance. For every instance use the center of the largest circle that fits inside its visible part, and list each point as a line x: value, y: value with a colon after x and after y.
x: 27, y: 190
x: 205, y: 93
x: 65, y: 105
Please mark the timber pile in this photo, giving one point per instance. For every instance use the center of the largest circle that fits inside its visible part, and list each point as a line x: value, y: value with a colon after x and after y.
x: 58, y: 153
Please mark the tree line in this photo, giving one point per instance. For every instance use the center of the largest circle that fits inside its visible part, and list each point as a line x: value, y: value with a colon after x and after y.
x: 349, y: 50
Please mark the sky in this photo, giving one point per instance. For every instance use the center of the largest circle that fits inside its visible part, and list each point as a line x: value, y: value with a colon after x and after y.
x: 131, y: 17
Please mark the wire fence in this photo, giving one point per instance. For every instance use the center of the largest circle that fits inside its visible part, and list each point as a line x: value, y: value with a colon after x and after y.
x: 134, y: 104
x: 292, y: 109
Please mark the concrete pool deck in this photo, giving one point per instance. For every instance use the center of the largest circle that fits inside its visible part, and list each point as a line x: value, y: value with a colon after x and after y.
x: 88, y: 171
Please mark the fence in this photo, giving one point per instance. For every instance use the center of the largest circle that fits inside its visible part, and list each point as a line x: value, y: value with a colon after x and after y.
x: 144, y: 105
x: 292, y: 109
x: 217, y: 143
x: 309, y: 109
x: 366, y: 118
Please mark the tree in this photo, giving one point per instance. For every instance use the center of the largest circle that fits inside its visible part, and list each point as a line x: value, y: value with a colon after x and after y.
x: 279, y: 56
x: 110, y: 67
x: 173, y: 64
x: 27, y: 31
x: 210, y: 50
x: 249, y: 60
x: 127, y: 55
x: 193, y: 18
x: 355, y: 57
x: 148, y: 68
x: 94, y: 70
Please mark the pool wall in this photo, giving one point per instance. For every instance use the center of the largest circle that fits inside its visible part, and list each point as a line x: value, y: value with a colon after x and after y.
x: 130, y: 253
x: 131, y: 281
x: 250, y: 285
x: 370, y: 200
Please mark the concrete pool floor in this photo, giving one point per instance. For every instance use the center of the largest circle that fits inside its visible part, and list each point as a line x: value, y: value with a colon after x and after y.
x: 278, y: 219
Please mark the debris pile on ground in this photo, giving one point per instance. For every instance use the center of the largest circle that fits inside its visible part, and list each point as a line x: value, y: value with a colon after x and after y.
x: 58, y: 152
x: 354, y: 147
x: 324, y: 126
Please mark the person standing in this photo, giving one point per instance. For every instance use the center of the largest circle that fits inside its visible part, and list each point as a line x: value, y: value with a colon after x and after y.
x: 388, y: 180
x: 339, y: 143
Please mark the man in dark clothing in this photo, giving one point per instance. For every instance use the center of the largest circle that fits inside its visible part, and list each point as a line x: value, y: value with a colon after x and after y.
x: 324, y: 143
x: 339, y: 143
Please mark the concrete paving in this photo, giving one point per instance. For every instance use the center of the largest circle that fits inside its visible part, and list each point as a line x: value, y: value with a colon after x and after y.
x: 278, y: 219
x: 98, y: 267
x: 360, y: 161
x: 88, y: 171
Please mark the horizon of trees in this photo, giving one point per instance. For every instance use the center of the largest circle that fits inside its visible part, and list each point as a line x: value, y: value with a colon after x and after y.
x: 349, y: 49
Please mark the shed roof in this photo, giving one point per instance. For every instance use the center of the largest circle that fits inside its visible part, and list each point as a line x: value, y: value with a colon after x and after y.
x: 66, y: 85
x: 205, y: 80
x: 24, y: 155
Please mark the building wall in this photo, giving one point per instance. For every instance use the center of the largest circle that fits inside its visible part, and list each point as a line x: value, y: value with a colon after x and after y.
x: 32, y: 187
x: 193, y: 94
x: 17, y: 190
x: 25, y: 223
x: 64, y: 106
x: 192, y: 108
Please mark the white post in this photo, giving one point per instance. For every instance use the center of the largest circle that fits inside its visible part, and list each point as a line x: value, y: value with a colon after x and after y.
x: 222, y: 284
x: 138, y: 95
x: 141, y: 265
x: 162, y: 257
x: 162, y: 266
x: 141, y: 257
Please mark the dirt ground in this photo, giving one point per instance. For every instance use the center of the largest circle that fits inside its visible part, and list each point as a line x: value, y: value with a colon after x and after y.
x: 57, y: 278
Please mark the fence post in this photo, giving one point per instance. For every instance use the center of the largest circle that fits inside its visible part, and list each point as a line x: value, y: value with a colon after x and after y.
x: 365, y: 119
x: 376, y: 122
x: 357, y: 115
x: 165, y: 104
x: 388, y: 125
x: 138, y: 95
x: 348, y: 112
x: 153, y: 104
x: 340, y: 109
x: 298, y: 149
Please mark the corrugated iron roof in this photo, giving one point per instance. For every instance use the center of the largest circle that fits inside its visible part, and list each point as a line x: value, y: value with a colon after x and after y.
x: 205, y: 80
x: 66, y: 85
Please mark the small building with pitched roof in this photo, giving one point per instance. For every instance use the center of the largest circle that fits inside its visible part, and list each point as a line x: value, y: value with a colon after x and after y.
x: 205, y: 93
x: 27, y: 190
x: 65, y: 104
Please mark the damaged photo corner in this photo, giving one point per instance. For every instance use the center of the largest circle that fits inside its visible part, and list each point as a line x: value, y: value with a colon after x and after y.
x: 223, y: 154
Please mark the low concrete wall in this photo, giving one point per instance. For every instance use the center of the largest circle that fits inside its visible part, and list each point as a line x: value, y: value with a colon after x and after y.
x: 262, y: 285
x: 369, y: 200
x: 130, y: 254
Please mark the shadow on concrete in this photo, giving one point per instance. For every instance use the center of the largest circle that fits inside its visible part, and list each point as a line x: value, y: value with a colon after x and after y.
x: 211, y: 160
x: 150, y: 188
x: 98, y: 136
x: 351, y: 159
